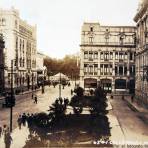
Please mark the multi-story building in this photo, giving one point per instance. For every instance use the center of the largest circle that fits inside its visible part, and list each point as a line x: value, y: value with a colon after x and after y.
x: 20, y: 47
x: 108, y: 57
x: 2, y: 66
x: 141, y: 18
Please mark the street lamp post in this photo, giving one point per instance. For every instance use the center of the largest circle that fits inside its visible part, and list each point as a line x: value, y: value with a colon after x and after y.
x: 60, y: 87
x: 12, y: 96
x: 43, y: 82
x: 32, y: 85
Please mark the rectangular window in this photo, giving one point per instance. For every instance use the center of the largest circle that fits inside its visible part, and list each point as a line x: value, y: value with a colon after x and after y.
x: 125, y: 70
x: 90, y: 55
x: 105, y: 69
x: 120, y: 70
x: 102, y: 56
x: 116, y: 55
x: 121, y: 56
x: 101, y: 69
x: 95, y: 69
x: 125, y: 56
x: 106, y: 56
x: 96, y: 55
x: 116, y: 70
x: 110, y: 71
x: 111, y: 55
x: 131, y: 56
x: 90, y: 70
x: 85, y: 55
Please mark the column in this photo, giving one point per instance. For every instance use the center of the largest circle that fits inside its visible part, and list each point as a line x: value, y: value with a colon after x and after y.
x: 128, y: 63
x: 123, y: 70
x: 117, y: 69
x: 113, y: 85
x: 113, y: 65
x: 103, y: 69
x: 98, y: 62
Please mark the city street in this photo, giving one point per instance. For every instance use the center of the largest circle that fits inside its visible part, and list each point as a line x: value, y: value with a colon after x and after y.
x: 125, y: 125
x: 129, y: 127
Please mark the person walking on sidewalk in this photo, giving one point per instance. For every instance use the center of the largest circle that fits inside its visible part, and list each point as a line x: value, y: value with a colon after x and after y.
x: 24, y: 118
x: 7, y: 140
x: 35, y: 100
x: 132, y: 98
x: 5, y: 129
x: 19, y: 121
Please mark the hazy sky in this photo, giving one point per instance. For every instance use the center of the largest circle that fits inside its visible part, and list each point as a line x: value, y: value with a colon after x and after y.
x: 59, y: 21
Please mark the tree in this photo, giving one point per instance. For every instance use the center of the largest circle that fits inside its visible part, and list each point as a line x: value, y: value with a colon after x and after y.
x: 98, y: 111
x: 60, y: 65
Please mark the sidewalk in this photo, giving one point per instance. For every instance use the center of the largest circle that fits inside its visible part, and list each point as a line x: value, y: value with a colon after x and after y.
x: 143, y: 112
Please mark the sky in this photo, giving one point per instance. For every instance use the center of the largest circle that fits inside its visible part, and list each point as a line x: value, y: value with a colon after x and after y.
x: 59, y: 22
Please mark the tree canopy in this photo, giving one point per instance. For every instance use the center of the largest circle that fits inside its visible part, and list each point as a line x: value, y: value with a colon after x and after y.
x: 68, y: 66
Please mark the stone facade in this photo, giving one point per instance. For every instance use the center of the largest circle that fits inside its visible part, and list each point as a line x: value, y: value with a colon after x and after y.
x: 141, y: 18
x: 108, y: 57
x: 20, y: 46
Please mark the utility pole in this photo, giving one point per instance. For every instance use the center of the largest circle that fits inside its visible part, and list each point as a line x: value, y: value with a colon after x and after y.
x: 60, y: 87
x: 75, y: 80
x: 32, y: 85
x: 12, y: 96
x: 43, y: 83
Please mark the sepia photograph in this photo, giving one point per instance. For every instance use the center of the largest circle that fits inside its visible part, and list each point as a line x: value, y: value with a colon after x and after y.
x: 73, y: 73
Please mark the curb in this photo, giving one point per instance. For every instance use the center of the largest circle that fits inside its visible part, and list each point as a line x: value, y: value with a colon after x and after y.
x: 132, y: 107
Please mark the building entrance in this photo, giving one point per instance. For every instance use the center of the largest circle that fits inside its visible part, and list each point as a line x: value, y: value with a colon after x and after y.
x: 106, y: 84
x: 120, y: 84
x: 90, y: 83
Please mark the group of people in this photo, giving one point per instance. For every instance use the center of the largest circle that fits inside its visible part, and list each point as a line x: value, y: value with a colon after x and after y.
x: 25, y: 118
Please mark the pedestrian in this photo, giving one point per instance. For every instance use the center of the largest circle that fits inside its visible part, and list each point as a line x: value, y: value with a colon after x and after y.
x: 132, y: 98
x: 19, y: 121
x: 29, y: 120
x: 111, y: 96
x: 32, y: 95
x: 5, y: 129
x: 24, y: 118
x: 7, y: 140
x: 0, y: 131
x: 35, y: 100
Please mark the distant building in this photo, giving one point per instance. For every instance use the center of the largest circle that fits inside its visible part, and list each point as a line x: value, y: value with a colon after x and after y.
x: 108, y: 57
x: 141, y: 18
x: 20, y: 46
x: 41, y: 69
x: 2, y: 66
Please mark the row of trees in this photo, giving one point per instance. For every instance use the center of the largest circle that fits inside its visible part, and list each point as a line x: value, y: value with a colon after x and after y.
x: 68, y: 66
